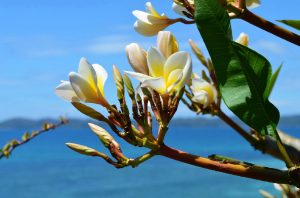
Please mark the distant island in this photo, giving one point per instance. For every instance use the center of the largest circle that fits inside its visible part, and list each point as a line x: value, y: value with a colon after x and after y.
x: 24, y: 123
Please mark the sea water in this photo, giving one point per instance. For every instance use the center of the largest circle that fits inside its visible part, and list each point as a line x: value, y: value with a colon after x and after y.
x: 46, y: 168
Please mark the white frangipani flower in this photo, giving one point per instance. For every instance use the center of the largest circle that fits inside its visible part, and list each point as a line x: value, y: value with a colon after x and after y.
x: 165, y: 74
x: 204, y: 92
x: 87, y: 85
x: 150, y: 23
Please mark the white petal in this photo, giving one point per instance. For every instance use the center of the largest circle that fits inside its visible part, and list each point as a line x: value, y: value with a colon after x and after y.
x: 199, y: 85
x: 151, y: 9
x: 101, y: 76
x: 179, y: 9
x: 65, y: 91
x: 157, y: 84
x: 87, y: 71
x: 166, y: 43
x: 201, y: 98
x: 173, y: 79
x: 156, y: 62
x: 147, y: 29
x: 140, y: 77
x: 137, y: 57
x: 83, y: 88
x: 179, y: 60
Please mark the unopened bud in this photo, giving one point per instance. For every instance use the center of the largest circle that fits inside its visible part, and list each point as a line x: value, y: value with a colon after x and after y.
x: 84, y: 150
x: 243, y: 39
x: 26, y: 136
x: 129, y: 86
x: 119, y: 82
x: 103, y: 135
x: 198, y: 52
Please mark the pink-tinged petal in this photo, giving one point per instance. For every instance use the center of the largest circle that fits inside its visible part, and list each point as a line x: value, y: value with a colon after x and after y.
x: 66, y: 92
x: 156, y: 62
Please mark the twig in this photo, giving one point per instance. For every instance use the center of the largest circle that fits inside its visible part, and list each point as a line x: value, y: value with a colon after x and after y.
x: 258, y: 21
x: 47, y: 127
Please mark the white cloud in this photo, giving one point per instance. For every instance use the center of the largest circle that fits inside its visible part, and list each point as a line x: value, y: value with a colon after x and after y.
x: 111, y: 44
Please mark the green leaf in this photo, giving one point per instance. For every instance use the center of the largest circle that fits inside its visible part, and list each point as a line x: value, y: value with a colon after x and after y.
x: 88, y: 111
x: 292, y: 23
x: 273, y: 81
x: 242, y: 74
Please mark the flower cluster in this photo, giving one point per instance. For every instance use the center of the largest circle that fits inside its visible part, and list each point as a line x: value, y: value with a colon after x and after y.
x: 162, y: 72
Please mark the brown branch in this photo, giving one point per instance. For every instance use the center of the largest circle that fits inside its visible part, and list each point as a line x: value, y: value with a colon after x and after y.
x: 248, y: 171
x: 258, y: 21
x: 46, y: 128
x: 247, y: 136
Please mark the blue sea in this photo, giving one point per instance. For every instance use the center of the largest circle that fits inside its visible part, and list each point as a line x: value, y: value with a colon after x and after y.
x: 46, y: 168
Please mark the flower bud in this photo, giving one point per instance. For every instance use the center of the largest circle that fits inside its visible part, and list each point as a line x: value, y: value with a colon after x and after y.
x: 103, y: 135
x: 204, y: 92
x: 119, y: 82
x: 129, y: 86
x: 83, y: 149
x: 243, y: 39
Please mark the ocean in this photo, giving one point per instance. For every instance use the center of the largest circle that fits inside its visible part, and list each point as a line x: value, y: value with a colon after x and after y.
x: 46, y: 168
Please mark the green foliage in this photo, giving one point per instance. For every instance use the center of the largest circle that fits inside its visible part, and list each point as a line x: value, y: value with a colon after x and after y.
x: 292, y: 23
x: 273, y: 81
x: 243, y: 75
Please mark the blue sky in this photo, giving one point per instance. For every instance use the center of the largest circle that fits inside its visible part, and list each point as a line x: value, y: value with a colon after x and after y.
x: 42, y: 41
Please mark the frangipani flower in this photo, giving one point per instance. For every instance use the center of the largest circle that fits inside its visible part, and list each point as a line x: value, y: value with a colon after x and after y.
x: 87, y: 85
x: 150, y: 23
x: 204, y: 92
x: 243, y: 39
x: 137, y: 56
x: 165, y: 74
